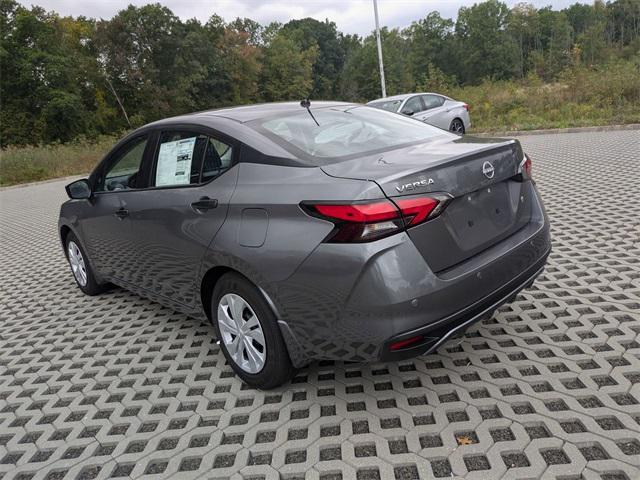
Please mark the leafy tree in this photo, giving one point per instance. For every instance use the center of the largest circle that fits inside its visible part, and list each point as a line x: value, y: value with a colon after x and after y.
x: 361, y: 79
x: 241, y: 67
x: 252, y: 29
x: 287, y: 70
x: 559, y: 53
x: 485, y: 47
x: 523, y: 25
x: 138, y: 50
x: 431, y: 42
x: 63, y: 117
x: 308, y: 33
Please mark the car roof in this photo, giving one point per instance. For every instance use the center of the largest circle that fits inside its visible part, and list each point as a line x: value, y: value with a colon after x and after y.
x: 247, y: 113
x: 405, y: 95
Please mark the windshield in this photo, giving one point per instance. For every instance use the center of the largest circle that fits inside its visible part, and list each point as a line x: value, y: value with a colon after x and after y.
x: 345, y: 132
x: 389, y: 105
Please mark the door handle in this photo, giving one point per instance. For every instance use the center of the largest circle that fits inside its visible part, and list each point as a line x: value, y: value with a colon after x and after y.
x: 121, y: 213
x: 204, y: 204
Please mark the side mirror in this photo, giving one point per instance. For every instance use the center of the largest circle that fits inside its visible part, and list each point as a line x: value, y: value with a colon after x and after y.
x: 407, y: 111
x: 79, y: 189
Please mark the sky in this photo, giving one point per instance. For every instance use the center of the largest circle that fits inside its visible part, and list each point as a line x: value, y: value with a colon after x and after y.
x: 350, y: 16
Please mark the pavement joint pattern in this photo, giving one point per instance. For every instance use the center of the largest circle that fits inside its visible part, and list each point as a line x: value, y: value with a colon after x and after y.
x: 116, y: 386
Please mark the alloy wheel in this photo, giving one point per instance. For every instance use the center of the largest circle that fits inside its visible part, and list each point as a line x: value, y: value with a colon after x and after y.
x: 76, y: 260
x: 457, y: 126
x: 242, y: 333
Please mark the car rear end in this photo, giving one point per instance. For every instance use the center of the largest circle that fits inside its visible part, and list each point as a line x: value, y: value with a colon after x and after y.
x: 459, y: 110
x: 469, y: 248
x: 458, y: 229
x: 485, y: 246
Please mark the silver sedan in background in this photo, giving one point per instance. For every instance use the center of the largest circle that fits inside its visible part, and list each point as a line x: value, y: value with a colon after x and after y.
x: 432, y: 108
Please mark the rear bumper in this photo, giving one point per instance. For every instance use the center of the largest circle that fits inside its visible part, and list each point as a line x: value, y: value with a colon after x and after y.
x: 435, y: 334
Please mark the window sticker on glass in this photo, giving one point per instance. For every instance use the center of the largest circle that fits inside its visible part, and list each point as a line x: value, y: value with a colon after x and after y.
x: 174, y: 162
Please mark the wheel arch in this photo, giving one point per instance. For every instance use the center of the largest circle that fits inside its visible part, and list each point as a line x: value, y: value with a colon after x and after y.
x: 211, y: 278
x: 65, y: 230
x: 208, y: 284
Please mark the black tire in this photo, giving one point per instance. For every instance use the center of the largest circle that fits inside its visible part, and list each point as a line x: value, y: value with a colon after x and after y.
x: 277, y: 368
x: 457, y: 126
x: 91, y: 287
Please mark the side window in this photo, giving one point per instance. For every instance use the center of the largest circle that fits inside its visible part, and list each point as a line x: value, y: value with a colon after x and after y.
x: 433, y: 101
x: 413, y: 105
x: 179, y: 159
x: 124, y: 170
x: 217, y: 159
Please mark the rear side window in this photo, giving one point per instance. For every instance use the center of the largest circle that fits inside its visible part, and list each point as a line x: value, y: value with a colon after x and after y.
x: 217, y: 158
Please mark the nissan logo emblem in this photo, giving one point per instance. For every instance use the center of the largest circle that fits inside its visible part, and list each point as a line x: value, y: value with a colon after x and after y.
x: 488, y: 170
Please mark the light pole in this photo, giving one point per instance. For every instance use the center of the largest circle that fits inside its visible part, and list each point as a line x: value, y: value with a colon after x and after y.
x: 382, y: 83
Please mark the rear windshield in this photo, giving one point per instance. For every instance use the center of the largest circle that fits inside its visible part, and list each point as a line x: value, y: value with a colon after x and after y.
x: 390, y: 105
x: 343, y: 133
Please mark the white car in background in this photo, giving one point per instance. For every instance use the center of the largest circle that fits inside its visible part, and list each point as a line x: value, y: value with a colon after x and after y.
x: 432, y: 108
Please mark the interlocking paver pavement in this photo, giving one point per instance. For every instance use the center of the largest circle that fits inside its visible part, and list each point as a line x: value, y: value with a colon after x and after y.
x: 117, y: 386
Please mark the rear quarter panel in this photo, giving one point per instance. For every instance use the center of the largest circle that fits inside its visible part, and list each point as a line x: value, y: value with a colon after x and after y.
x: 266, y: 235
x: 457, y: 110
x: 438, y: 117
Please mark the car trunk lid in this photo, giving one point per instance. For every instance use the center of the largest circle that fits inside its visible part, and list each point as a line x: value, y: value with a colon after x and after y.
x: 487, y: 204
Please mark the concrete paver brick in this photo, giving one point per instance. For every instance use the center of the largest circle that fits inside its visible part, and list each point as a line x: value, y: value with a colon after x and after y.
x: 116, y: 386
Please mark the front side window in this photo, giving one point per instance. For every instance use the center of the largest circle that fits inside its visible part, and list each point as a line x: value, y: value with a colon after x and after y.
x: 413, y: 105
x: 124, y: 170
x: 179, y: 159
x: 343, y: 132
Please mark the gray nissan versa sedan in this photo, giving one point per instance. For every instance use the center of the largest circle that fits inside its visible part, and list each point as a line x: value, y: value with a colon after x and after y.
x: 330, y: 231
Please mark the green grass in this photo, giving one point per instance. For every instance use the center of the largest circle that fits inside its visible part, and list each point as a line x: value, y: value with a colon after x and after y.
x: 35, y: 163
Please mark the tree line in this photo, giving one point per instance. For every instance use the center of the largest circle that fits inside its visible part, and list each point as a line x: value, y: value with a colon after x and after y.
x: 64, y: 77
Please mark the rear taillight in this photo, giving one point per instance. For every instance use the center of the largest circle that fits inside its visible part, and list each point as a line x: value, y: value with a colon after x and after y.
x: 466, y: 107
x: 405, y: 343
x: 367, y: 221
x: 419, y: 209
x: 525, y: 168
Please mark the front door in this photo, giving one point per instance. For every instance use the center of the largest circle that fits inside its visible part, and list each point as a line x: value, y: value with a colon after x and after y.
x: 107, y: 227
x: 174, y: 220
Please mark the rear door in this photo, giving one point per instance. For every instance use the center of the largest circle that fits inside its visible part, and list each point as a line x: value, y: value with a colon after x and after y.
x: 191, y: 180
x: 435, y: 112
